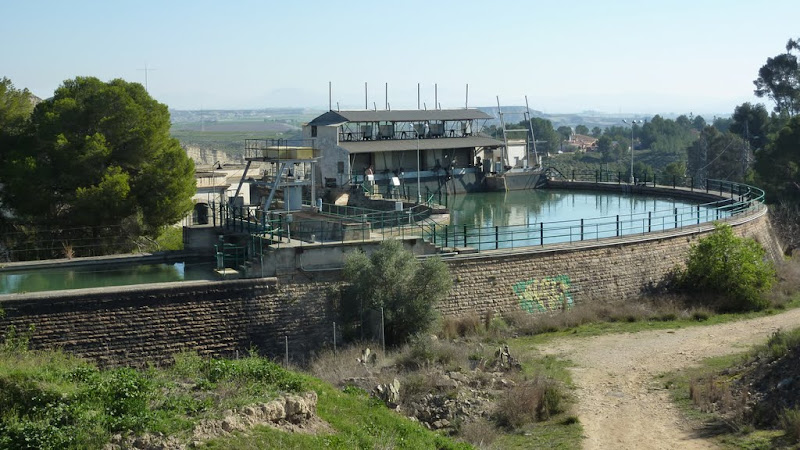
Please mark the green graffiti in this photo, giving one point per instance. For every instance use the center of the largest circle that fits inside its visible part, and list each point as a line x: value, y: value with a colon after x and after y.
x: 544, y: 294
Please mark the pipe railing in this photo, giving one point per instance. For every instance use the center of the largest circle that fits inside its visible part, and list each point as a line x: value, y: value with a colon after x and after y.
x: 348, y: 223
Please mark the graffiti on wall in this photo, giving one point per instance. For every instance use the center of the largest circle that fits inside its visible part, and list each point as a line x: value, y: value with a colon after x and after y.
x: 544, y: 294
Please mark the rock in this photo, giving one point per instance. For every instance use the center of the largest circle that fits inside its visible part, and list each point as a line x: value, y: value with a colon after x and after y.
x: 389, y: 393
x: 367, y: 357
x: 439, y: 424
x: 229, y: 424
x: 273, y: 411
x: 458, y: 376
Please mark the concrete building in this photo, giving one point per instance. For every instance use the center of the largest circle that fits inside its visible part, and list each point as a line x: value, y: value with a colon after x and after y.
x: 400, y: 147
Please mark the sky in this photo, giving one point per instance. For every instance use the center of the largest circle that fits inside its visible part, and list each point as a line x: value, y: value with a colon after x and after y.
x: 615, y: 56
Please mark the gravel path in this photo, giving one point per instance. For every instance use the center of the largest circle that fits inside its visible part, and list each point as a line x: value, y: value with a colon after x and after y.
x: 620, y: 404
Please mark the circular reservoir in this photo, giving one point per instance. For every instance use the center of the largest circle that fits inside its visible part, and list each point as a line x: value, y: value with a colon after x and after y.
x: 546, y: 216
x: 88, y: 276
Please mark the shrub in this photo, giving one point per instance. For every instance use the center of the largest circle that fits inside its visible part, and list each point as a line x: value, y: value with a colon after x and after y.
x: 529, y: 402
x: 480, y: 432
x: 732, y: 268
x: 393, y: 280
x: 790, y: 422
x: 125, y: 394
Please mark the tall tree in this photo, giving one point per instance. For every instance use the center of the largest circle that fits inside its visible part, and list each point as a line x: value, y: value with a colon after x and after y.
x: 547, y: 139
x: 15, y: 108
x: 718, y: 155
x: 751, y: 122
x: 565, y: 132
x: 778, y: 165
x: 99, y: 158
x: 779, y: 80
x: 582, y: 129
x: 596, y: 132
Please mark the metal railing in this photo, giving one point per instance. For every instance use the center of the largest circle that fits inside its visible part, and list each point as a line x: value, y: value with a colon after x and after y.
x: 281, y: 149
x: 348, y: 223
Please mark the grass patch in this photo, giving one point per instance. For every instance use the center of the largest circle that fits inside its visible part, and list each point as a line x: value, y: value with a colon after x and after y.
x: 689, y: 318
x: 359, y: 421
x: 725, y: 395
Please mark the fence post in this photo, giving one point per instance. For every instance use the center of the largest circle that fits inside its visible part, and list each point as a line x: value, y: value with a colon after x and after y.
x: 649, y: 220
x: 676, y: 217
x: 445, y: 237
x: 286, y: 355
x: 465, y: 235
x: 573, y: 175
x: 581, y: 229
x: 496, y: 237
x: 617, y: 225
x: 541, y: 233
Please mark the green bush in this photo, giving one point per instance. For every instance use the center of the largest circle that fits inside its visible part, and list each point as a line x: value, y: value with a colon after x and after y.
x: 790, y: 422
x: 392, y: 279
x: 730, y: 268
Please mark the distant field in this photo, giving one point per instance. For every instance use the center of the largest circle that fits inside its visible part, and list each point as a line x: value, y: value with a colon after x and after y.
x: 229, y: 136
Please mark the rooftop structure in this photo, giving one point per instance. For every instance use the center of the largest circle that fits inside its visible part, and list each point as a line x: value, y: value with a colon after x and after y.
x: 406, y: 145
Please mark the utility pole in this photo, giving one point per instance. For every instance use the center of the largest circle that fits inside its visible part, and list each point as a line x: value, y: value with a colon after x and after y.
x: 146, y: 69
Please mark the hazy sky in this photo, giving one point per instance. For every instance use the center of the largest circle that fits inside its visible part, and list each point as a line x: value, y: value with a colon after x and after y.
x: 614, y: 56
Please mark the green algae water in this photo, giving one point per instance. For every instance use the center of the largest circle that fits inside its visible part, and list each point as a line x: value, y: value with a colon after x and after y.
x: 513, y: 219
x: 78, y: 277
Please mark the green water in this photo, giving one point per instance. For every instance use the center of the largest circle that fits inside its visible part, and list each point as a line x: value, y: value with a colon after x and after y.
x: 536, y: 217
x: 55, y: 279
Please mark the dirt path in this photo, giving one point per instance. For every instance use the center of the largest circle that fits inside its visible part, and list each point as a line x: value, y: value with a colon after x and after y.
x: 620, y: 404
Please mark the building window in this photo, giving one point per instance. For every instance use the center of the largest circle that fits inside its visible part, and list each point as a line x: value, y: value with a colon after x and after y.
x: 313, y: 131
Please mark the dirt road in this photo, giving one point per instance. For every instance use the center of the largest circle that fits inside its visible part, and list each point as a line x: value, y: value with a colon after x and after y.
x: 622, y: 406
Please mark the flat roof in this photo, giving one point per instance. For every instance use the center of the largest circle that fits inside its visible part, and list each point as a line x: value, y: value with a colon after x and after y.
x: 410, y: 115
x: 397, y: 145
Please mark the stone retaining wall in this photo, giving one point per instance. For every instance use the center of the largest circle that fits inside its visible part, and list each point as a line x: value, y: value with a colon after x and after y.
x: 147, y: 323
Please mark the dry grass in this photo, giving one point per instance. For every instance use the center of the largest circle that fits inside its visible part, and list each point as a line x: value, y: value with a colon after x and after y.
x: 480, y: 433
x: 660, y: 308
x: 489, y: 325
x: 528, y: 402
x: 344, y: 364
x: 788, y: 284
x: 711, y: 394
x: 425, y: 351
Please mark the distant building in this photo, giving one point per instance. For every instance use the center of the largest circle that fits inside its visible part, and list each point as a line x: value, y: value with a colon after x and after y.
x: 448, y: 141
x: 583, y: 143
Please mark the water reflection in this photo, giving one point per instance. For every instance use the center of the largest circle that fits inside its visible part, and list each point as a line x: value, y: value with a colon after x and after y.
x: 51, y: 279
x: 538, y: 217
x: 533, y: 206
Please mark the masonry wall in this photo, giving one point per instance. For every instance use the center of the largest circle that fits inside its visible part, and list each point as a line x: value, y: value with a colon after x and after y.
x: 543, y: 279
x: 135, y: 325
x: 138, y: 324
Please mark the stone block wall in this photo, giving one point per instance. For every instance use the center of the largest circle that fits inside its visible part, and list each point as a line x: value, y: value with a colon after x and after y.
x: 140, y: 324
x: 148, y: 323
x: 544, y: 279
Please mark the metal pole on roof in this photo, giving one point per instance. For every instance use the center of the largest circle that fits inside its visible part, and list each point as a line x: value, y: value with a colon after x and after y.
x: 466, y: 100
x: 419, y: 192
